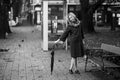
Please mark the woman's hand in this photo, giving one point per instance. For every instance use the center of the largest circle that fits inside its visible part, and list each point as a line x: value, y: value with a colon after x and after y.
x: 83, y: 41
x: 61, y: 42
x: 58, y: 41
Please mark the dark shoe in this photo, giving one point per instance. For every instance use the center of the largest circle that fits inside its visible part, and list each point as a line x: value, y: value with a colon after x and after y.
x: 77, y: 72
x: 70, y: 71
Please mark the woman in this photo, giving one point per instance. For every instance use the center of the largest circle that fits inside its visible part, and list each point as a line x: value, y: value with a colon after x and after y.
x: 75, y: 35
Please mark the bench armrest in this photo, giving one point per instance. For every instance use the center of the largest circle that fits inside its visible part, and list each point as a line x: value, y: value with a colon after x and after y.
x: 94, y: 52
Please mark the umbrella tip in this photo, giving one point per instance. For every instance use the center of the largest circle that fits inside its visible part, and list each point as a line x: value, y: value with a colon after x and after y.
x: 51, y: 73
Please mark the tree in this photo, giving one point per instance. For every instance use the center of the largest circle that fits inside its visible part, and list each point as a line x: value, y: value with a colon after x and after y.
x: 16, y: 5
x: 4, y: 25
x: 87, y: 11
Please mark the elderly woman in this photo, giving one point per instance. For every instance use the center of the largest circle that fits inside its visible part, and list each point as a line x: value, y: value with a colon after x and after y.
x: 75, y: 35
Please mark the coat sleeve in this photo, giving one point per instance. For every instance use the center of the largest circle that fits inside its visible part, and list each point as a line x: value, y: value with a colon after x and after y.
x: 82, y: 34
x: 65, y: 34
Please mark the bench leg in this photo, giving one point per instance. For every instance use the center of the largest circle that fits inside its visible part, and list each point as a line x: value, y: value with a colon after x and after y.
x: 86, y: 61
x: 102, y: 68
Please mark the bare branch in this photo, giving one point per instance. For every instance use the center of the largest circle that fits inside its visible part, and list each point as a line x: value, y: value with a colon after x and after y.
x: 99, y: 3
x: 84, y: 5
x: 93, y: 7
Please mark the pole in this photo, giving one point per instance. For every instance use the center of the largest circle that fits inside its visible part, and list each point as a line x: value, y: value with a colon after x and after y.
x: 45, y: 25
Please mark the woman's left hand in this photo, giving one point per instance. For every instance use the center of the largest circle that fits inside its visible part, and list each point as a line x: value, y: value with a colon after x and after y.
x: 61, y: 42
x: 83, y: 41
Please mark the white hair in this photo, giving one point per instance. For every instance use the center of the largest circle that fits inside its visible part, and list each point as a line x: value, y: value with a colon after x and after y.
x: 72, y: 14
x: 72, y: 23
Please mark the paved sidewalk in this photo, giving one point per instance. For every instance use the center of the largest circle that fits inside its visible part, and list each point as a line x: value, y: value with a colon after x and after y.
x: 25, y: 59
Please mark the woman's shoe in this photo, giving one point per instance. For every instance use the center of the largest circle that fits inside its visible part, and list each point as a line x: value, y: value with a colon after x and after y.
x: 77, y: 72
x: 70, y: 71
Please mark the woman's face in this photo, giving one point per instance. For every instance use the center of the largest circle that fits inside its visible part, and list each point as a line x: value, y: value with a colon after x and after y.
x: 72, y: 18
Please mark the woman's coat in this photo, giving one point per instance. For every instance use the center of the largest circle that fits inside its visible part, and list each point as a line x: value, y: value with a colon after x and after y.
x: 75, y: 36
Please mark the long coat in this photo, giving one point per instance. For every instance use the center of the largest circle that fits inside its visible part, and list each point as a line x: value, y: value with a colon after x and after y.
x: 75, y: 36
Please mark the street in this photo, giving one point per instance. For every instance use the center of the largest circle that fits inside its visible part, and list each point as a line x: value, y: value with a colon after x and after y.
x: 25, y: 59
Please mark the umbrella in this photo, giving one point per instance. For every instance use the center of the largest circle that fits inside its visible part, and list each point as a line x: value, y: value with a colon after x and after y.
x: 52, y: 58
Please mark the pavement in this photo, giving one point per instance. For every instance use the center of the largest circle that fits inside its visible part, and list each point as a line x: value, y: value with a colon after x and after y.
x: 25, y: 59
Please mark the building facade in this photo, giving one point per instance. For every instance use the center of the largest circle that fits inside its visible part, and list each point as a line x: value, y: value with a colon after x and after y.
x: 57, y: 9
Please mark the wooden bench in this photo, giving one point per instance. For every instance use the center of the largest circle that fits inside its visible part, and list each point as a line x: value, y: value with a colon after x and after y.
x: 99, y: 56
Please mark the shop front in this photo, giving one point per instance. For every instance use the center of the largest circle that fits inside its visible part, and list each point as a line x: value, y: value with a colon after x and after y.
x: 37, y: 14
x: 116, y: 16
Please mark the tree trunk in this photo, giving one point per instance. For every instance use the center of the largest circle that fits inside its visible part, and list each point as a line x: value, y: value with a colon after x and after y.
x: 87, y: 11
x: 7, y: 27
x: 4, y: 25
x: 87, y: 16
x: 2, y: 30
x: 87, y: 22
x: 5, y: 18
x: 17, y: 6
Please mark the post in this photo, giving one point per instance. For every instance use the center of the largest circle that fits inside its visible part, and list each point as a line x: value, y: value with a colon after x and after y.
x: 114, y: 22
x: 96, y: 18
x: 66, y: 14
x: 45, y: 26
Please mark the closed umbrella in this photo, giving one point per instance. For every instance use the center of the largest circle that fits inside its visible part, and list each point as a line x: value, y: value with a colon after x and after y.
x: 52, y: 58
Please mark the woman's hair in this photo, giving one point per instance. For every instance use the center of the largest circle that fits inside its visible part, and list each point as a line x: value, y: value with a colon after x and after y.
x: 76, y: 23
x: 72, y: 14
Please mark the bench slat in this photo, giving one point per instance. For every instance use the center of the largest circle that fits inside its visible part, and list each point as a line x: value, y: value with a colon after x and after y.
x: 110, y: 48
x: 107, y: 64
x: 101, y: 61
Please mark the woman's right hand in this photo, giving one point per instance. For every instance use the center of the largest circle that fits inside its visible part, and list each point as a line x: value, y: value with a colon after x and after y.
x: 83, y: 42
x: 58, y: 41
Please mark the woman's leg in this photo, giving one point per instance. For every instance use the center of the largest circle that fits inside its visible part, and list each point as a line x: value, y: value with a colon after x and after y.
x: 76, y: 69
x: 72, y: 63
x: 76, y: 64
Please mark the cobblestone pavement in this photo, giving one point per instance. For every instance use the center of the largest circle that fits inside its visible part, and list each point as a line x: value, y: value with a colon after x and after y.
x: 25, y: 59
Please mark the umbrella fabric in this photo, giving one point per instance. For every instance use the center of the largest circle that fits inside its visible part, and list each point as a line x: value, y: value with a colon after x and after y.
x: 52, y: 59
